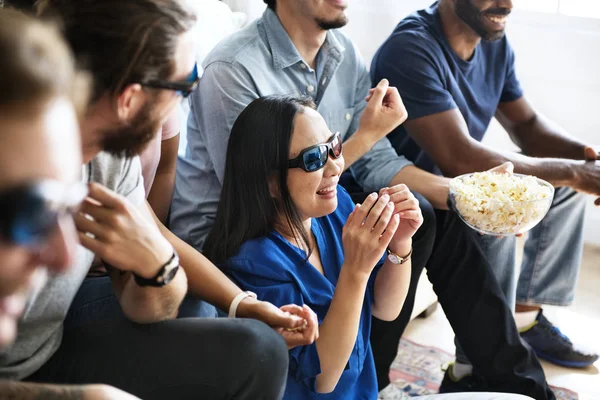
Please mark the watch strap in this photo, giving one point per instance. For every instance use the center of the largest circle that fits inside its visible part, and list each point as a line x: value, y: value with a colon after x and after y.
x: 162, y: 277
x: 396, y: 259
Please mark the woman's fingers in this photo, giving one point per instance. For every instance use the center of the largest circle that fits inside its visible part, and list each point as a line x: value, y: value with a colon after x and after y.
x: 414, y: 215
x: 387, y: 236
x: 376, y: 211
x: 384, y: 219
x: 360, y: 213
x: 406, y: 205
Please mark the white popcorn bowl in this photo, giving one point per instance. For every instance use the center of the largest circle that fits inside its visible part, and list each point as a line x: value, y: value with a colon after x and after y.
x: 500, y: 218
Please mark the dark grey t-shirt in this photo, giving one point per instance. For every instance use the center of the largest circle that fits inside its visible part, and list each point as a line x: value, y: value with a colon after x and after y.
x: 40, y: 328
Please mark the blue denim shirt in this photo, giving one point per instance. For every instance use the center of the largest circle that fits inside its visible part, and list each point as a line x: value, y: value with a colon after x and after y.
x: 257, y: 61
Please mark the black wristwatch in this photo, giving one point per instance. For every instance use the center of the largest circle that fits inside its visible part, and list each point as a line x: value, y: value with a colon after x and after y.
x: 164, y: 276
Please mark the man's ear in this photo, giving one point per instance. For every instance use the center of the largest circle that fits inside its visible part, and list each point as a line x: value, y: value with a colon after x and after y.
x: 130, y: 101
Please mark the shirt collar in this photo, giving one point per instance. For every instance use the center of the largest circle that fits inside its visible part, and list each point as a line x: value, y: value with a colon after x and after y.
x: 283, y: 50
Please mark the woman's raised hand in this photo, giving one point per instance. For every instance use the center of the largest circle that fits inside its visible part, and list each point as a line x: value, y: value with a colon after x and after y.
x: 368, y: 232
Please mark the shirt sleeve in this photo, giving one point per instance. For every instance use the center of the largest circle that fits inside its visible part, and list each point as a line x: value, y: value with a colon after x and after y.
x: 224, y: 91
x: 512, y: 87
x: 131, y: 183
x: 411, y: 63
x: 304, y: 364
x: 378, y: 166
x: 172, y: 125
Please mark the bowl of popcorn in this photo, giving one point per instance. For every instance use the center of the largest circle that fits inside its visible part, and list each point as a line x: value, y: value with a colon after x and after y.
x: 500, y: 204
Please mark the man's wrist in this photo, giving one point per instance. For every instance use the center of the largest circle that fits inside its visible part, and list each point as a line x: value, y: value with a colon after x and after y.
x: 156, y: 261
x: 365, y: 138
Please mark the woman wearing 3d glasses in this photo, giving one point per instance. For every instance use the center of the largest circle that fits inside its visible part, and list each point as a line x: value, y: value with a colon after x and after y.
x: 288, y: 232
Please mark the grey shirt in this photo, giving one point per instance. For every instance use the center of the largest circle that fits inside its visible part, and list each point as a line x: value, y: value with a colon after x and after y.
x: 40, y: 328
x: 257, y: 61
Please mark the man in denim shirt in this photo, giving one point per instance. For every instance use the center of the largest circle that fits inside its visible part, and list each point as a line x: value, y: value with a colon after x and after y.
x: 295, y: 49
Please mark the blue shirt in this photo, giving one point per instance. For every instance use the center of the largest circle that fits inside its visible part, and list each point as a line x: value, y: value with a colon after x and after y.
x: 257, y: 61
x: 277, y: 272
x: 431, y: 78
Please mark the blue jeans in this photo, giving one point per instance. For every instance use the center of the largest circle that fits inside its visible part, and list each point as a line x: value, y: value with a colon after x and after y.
x: 96, y: 302
x: 551, y: 258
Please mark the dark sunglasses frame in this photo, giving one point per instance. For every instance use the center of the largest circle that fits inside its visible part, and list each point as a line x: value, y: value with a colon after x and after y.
x: 298, y: 162
x: 29, y: 213
x: 183, y: 88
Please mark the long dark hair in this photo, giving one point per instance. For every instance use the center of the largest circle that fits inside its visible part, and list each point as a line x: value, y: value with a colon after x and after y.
x: 258, y: 150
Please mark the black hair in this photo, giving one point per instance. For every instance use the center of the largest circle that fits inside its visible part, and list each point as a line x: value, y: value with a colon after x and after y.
x: 258, y: 152
x: 270, y: 4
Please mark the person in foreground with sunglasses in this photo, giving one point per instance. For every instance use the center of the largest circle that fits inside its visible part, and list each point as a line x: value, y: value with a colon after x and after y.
x: 40, y: 186
x: 286, y: 231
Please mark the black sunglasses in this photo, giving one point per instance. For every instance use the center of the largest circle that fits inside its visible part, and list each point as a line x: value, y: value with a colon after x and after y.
x: 183, y: 88
x: 30, y: 213
x: 315, y: 157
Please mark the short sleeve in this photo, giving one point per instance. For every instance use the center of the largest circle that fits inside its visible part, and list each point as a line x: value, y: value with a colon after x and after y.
x: 131, y: 182
x: 512, y: 87
x: 304, y: 364
x: 172, y: 125
x: 411, y: 63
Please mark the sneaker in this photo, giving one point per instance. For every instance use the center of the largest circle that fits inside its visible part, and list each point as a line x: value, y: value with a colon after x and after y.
x: 468, y: 383
x: 550, y: 344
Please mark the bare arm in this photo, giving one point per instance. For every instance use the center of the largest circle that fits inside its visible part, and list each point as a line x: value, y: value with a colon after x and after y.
x: 445, y: 138
x: 35, y: 391
x: 536, y: 135
x: 338, y: 331
x: 126, y: 237
x: 207, y: 282
x: 393, y: 280
x: 435, y: 188
x: 162, y: 188
x: 383, y: 113
x: 149, y: 304
x: 365, y: 236
x: 391, y: 286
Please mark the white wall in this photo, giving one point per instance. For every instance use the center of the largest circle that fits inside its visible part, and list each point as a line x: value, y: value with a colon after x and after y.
x: 558, y: 63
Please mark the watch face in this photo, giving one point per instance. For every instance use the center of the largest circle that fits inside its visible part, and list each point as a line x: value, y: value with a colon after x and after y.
x: 169, y: 275
x: 394, y: 259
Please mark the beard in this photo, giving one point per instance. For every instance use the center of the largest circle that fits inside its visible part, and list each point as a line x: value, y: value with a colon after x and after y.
x: 336, y: 23
x: 133, y: 137
x: 474, y: 17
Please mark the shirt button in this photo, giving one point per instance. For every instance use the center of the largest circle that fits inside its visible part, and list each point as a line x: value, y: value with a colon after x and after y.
x: 324, y: 81
x: 310, y: 88
x: 348, y: 116
x: 302, y: 66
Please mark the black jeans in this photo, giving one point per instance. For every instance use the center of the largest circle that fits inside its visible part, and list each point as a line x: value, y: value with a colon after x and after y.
x: 473, y: 301
x: 190, y: 358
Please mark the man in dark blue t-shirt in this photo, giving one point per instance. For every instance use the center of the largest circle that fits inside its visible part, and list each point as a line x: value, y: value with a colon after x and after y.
x: 454, y: 68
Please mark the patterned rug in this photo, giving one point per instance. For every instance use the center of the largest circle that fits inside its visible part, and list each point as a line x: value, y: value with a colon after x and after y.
x: 417, y: 370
